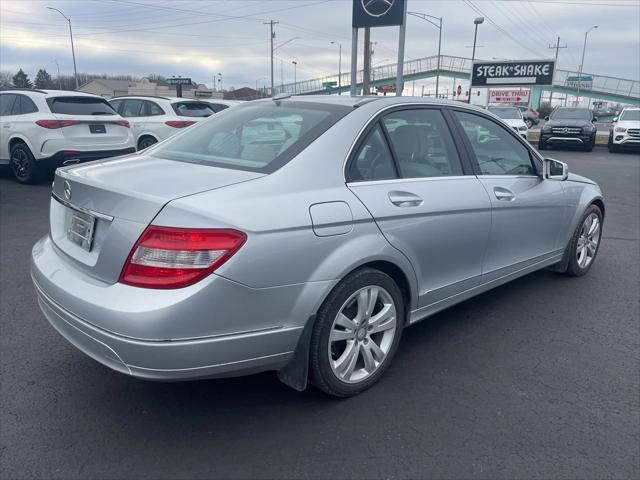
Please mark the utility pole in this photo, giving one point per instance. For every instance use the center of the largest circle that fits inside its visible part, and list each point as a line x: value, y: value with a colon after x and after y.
x: 584, y: 47
x: 271, y: 23
x: 557, y: 48
x: 367, y: 61
x: 339, y: 66
x: 295, y: 75
x: 73, y: 52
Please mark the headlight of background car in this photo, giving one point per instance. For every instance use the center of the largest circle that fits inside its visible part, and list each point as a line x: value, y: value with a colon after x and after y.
x: 523, y: 128
x: 546, y: 129
x: 621, y: 129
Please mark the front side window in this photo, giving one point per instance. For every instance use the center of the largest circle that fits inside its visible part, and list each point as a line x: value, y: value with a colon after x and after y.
x: 422, y: 143
x: 496, y: 150
x: 373, y: 161
x: 80, y: 106
x: 6, y: 103
x: 260, y: 137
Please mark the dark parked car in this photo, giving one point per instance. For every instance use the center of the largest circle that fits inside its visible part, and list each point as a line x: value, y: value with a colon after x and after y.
x: 530, y: 117
x: 569, y: 126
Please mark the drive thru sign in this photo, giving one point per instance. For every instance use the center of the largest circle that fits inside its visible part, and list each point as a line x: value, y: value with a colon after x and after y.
x: 509, y: 96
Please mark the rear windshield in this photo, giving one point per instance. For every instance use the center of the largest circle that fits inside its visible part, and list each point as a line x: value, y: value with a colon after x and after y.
x: 259, y: 137
x: 506, y: 112
x: 630, y: 115
x: 571, y: 114
x: 80, y: 106
x: 192, y: 109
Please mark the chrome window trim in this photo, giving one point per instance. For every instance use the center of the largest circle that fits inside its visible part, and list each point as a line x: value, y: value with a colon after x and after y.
x: 497, y: 176
x: 101, y: 216
x: 410, y: 180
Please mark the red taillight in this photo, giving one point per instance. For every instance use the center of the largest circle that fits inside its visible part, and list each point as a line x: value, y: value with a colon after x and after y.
x: 179, y: 123
x: 57, y: 123
x: 165, y: 257
x: 536, y: 113
x: 122, y: 123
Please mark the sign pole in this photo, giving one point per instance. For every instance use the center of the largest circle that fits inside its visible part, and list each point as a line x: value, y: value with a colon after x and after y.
x: 354, y: 62
x: 400, y: 67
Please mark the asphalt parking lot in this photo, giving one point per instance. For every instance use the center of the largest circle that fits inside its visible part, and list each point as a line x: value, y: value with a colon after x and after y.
x: 538, y: 378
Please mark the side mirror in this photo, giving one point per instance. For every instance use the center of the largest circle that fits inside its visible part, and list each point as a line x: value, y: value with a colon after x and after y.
x: 615, y: 119
x: 546, y: 119
x: 554, y: 170
x: 595, y: 119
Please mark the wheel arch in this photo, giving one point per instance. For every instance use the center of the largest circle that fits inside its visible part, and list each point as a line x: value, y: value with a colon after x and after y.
x: 15, y: 139
x: 144, y: 135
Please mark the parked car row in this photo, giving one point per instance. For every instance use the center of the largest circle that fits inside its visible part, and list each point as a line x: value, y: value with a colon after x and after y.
x: 41, y: 130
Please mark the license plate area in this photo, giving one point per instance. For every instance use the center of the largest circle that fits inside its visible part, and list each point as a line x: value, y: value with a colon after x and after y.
x: 81, y: 228
x: 95, y: 128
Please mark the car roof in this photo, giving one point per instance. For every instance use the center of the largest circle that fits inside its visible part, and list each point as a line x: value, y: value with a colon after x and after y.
x: 52, y: 93
x: 157, y: 97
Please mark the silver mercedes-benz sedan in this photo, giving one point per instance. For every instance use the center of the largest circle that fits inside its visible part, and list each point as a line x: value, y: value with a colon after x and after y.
x: 302, y: 235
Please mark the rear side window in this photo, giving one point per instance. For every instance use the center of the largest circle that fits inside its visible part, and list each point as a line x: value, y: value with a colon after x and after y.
x: 115, y: 104
x: 80, y: 106
x: 261, y: 137
x: 153, y: 109
x: 192, y: 109
x: 6, y: 103
x: 422, y: 143
x: 132, y: 108
x: 373, y: 161
x: 26, y: 105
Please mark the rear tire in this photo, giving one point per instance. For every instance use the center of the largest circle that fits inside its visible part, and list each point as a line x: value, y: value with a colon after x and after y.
x: 356, y: 333
x: 146, y: 142
x: 23, y: 165
x: 584, y: 244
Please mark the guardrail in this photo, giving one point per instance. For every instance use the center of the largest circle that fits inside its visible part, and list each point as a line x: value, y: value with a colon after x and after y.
x: 461, y: 66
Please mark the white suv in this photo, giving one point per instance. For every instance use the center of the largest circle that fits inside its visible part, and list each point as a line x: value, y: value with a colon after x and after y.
x: 154, y: 119
x: 41, y: 130
x: 625, y: 130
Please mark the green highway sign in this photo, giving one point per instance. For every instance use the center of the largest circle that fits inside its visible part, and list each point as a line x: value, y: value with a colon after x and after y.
x: 329, y: 84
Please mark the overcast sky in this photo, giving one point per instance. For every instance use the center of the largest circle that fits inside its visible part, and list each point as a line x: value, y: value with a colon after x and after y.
x: 198, y: 38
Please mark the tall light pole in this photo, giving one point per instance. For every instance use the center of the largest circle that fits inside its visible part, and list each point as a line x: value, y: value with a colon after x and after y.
x: 438, y: 25
x: 584, y: 47
x: 73, y: 52
x: 295, y: 67
x: 339, y: 67
x: 476, y: 22
x: 271, y: 23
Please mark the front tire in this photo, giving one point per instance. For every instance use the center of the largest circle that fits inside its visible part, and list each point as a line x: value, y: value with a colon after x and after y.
x: 585, y: 242
x: 541, y: 145
x: 356, y: 333
x: 613, y: 148
x: 529, y: 123
x: 23, y: 165
x: 589, y: 146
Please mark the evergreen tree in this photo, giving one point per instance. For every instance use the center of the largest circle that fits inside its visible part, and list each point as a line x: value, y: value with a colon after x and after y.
x: 43, y: 80
x: 21, y: 80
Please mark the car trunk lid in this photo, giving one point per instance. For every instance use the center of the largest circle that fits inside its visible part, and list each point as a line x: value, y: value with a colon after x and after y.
x: 99, y: 209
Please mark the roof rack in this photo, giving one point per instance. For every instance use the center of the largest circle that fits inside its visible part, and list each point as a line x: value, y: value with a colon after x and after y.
x: 365, y: 100
x: 15, y: 89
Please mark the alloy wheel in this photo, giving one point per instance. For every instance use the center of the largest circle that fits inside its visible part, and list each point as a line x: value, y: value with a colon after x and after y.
x: 362, y: 334
x: 588, y: 240
x: 20, y: 163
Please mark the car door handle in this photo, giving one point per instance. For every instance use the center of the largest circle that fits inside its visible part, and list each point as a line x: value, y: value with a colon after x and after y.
x: 404, y: 199
x: 503, y: 194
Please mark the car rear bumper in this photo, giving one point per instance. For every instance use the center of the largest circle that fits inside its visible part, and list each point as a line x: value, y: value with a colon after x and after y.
x: 69, y: 157
x: 173, y: 334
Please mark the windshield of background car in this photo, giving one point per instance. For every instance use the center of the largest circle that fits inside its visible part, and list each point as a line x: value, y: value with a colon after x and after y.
x: 630, y: 115
x: 80, y: 106
x: 571, y: 114
x: 259, y: 138
x: 506, y: 112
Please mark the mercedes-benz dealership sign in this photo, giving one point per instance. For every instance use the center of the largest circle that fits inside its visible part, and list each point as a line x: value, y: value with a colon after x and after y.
x: 534, y: 72
x: 377, y: 13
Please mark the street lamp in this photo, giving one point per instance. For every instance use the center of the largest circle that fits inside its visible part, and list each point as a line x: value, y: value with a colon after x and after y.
x: 438, y: 25
x: 220, y: 81
x: 339, y: 67
x: 584, y: 47
x: 73, y: 52
x: 295, y: 65
x: 477, y: 21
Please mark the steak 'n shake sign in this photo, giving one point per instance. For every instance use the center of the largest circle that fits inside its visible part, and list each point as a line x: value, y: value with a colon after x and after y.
x: 534, y: 72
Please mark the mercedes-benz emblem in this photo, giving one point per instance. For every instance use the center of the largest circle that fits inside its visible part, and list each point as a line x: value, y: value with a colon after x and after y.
x: 377, y: 8
x: 67, y: 190
x: 566, y: 130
